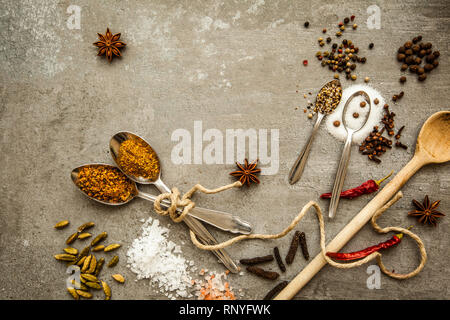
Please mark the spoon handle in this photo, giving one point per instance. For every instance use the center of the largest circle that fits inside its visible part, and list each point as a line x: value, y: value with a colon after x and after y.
x: 203, y: 234
x: 340, y: 176
x: 299, y: 165
x: 222, y: 220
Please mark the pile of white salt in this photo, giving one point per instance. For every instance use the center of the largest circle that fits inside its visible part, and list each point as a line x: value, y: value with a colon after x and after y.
x: 374, y: 117
x: 153, y: 256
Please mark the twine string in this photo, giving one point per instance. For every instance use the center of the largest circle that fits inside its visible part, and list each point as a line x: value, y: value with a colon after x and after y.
x: 187, y: 204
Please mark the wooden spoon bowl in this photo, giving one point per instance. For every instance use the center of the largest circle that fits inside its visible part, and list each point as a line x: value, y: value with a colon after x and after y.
x: 433, y: 142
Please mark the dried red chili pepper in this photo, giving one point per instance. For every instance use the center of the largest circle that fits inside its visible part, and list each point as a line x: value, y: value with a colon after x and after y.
x: 366, y: 188
x: 364, y: 253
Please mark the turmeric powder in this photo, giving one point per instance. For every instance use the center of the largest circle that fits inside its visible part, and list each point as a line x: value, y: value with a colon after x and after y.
x: 136, y: 158
x: 105, y: 183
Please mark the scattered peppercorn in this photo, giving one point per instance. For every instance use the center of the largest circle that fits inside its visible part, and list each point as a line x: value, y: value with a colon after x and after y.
x: 306, y: 24
x: 355, y: 115
x: 371, y: 45
x: 413, y: 53
x: 336, y: 123
x: 402, y: 79
x: 376, y: 101
x: 362, y: 104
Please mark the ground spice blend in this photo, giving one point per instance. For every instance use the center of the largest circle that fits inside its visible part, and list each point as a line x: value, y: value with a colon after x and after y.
x: 138, y: 159
x: 105, y: 183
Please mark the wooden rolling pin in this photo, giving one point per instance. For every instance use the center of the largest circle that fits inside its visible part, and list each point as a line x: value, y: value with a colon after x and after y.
x: 433, y: 146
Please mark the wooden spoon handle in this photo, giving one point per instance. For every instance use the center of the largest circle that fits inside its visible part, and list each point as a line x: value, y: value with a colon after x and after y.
x: 352, y: 228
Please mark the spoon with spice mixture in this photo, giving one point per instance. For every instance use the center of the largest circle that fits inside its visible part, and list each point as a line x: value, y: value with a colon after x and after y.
x: 327, y: 100
x: 136, y: 158
x: 107, y: 184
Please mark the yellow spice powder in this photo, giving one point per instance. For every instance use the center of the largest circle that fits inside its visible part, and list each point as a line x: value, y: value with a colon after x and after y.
x: 138, y: 159
x: 106, y: 183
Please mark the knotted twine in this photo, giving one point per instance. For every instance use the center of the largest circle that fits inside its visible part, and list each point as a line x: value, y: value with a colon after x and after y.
x: 187, y: 204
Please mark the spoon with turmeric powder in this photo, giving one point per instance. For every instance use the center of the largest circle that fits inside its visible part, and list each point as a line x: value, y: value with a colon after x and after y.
x: 139, y: 162
x: 107, y: 184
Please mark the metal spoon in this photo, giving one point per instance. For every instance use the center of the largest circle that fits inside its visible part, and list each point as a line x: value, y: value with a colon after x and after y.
x: 299, y: 165
x: 222, y: 220
x: 196, y: 226
x: 342, y: 169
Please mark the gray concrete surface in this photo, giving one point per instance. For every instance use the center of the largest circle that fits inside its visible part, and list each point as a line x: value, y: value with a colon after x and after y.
x: 230, y: 64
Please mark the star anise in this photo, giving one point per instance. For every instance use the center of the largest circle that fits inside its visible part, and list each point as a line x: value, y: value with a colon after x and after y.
x: 426, y: 211
x: 247, y: 172
x: 109, y: 45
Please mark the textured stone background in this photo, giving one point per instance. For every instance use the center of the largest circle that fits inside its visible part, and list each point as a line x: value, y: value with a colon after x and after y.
x: 231, y: 64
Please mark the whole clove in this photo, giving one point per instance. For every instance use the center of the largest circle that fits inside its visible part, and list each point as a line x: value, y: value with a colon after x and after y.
x: 270, y: 275
x: 303, y: 245
x: 256, y: 260
x: 401, y: 145
x: 399, y: 133
x: 276, y: 290
x: 293, y: 248
x: 276, y: 253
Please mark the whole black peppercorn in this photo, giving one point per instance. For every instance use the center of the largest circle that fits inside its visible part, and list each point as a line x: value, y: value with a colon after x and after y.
x: 408, y: 44
x: 420, y: 71
x: 415, y: 40
x: 404, y: 67
x: 415, y: 48
x: 353, y: 67
x: 401, y: 57
x: 401, y: 50
x: 422, y: 53
x: 428, y: 45
x: 419, y: 38
x: 402, y: 79
x: 428, y: 67
x: 328, y: 40
x: 429, y: 51
x: 334, y: 46
x: 429, y: 58
x: 413, y: 68
x: 306, y: 24
x: 346, y: 20
x: 417, y: 60
x: 409, y: 52
x: 435, y: 63
x: 409, y: 60
x: 371, y: 45
x: 363, y: 60
x: 422, y: 77
x: 436, y: 54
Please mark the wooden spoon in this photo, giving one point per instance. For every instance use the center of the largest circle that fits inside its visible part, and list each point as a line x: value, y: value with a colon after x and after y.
x: 433, y: 146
